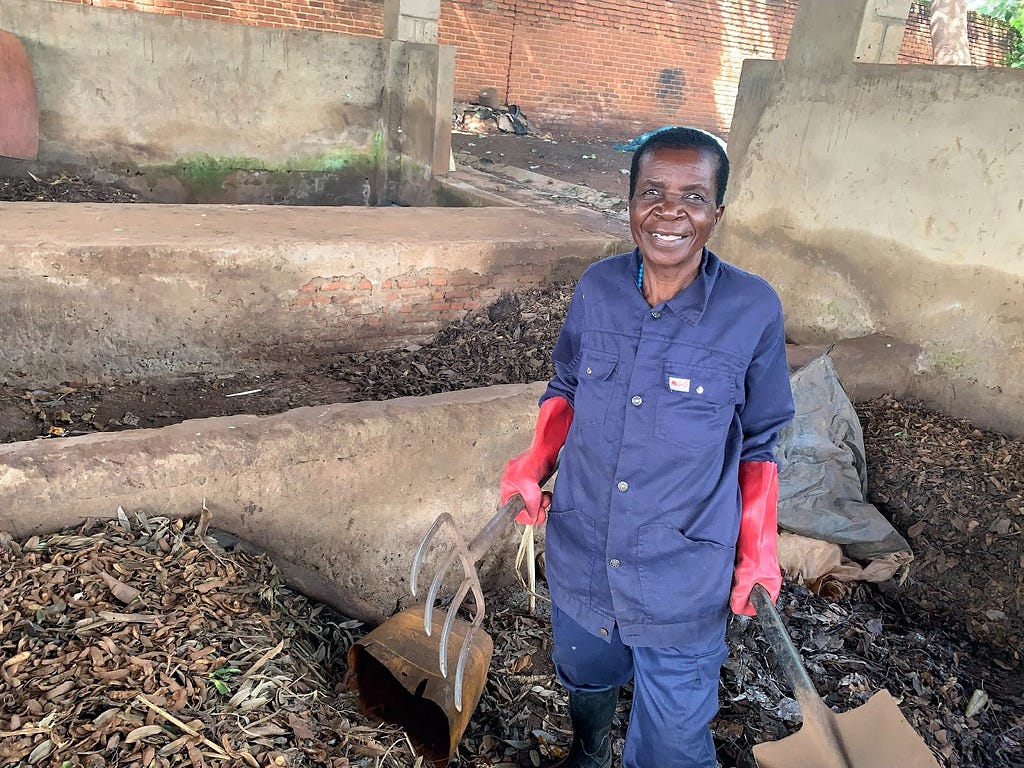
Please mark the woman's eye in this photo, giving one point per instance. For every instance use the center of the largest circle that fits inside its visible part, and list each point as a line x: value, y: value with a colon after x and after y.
x: 696, y: 197
x: 650, y: 192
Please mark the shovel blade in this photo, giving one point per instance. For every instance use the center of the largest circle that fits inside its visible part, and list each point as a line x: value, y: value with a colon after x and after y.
x: 19, y: 112
x: 875, y: 734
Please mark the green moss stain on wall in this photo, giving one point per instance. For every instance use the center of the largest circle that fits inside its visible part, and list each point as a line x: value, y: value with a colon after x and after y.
x: 205, y: 178
x: 945, y: 362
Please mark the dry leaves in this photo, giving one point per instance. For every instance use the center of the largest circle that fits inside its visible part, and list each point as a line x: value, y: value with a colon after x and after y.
x: 508, y: 342
x: 138, y: 643
x: 958, y: 492
x: 61, y: 188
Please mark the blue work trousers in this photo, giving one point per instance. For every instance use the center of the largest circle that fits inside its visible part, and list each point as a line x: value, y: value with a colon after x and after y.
x: 675, y: 692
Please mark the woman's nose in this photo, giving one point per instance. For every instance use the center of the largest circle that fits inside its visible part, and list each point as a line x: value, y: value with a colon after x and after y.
x: 670, y: 208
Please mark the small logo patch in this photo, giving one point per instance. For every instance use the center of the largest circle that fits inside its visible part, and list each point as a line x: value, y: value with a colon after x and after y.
x: 678, y: 385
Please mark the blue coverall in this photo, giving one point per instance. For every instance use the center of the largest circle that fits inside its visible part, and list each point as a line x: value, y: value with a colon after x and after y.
x: 641, y: 534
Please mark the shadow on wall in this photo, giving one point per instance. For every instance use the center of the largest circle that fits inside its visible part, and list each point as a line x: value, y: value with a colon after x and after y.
x: 855, y: 192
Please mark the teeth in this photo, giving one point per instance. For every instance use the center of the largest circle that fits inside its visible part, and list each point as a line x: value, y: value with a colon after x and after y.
x: 668, y: 238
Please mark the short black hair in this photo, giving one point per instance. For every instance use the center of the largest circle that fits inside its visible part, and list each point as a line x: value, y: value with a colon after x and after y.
x: 682, y: 137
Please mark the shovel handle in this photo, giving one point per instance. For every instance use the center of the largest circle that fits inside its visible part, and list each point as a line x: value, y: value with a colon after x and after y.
x: 833, y: 752
x: 786, y: 654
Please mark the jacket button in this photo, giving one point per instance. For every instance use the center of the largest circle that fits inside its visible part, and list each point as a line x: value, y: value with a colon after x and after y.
x: 590, y: 371
x: 655, y: 314
x: 604, y: 632
x: 623, y: 486
x: 614, y: 562
x: 637, y: 400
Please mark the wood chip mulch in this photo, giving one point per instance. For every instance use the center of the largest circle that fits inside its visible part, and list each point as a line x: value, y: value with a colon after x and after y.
x: 61, y: 188
x: 140, y: 642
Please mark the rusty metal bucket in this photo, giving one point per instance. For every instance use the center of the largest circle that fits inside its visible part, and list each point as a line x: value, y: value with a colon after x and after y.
x: 873, y: 735
x: 395, y: 674
x: 19, y: 111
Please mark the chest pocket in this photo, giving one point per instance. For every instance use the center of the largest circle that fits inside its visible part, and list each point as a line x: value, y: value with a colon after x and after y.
x: 695, y: 405
x: 594, y: 384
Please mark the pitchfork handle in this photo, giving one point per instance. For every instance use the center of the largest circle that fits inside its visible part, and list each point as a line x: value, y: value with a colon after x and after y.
x: 502, y: 519
x: 495, y: 527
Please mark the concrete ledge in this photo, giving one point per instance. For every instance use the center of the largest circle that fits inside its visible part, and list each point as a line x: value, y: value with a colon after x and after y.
x: 92, y: 291
x: 867, y: 366
x: 340, y: 495
x: 875, y: 365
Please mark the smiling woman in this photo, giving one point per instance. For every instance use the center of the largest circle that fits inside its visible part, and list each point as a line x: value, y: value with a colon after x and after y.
x: 671, y: 385
x: 674, y: 207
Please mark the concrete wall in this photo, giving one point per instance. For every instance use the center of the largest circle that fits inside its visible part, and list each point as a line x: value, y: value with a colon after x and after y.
x: 340, y: 496
x: 91, y: 291
x: 884, y: 198
x: 189, y: 110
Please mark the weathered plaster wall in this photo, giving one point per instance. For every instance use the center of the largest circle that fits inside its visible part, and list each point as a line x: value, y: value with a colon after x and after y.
x: 339, y: 495
x: 190, y: 110
x: 889, y: 199
x: 90, y: 291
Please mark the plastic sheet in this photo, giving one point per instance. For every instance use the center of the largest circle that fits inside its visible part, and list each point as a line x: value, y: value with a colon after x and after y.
x: 823, y: 486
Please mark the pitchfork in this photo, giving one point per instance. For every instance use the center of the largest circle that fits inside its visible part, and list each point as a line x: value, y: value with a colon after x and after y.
x: 468, y: 554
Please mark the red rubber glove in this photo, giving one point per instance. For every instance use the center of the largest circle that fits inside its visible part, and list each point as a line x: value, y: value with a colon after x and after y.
x: 525, y: 473
x: 757, y: 552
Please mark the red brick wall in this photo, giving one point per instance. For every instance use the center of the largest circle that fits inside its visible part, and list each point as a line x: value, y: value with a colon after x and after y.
x: 362, y: 17
x: 353, y: 312
x: 612, y: 67
x: 616, y: 65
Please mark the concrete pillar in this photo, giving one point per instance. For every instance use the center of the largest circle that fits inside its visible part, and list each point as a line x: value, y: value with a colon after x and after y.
x: 829, y: 35
x: 881, y: 35
x: 419, y: 87
x: 413, y: 21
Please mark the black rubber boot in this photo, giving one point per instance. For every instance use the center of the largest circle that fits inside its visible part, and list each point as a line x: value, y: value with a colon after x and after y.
x: 591, y: 715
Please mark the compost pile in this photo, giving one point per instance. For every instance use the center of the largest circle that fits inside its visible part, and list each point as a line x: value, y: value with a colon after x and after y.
x: 61, y: 188
x: 141, y: 641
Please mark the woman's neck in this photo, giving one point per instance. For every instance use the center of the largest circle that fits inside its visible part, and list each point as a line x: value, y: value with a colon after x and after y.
x: 658, y: 287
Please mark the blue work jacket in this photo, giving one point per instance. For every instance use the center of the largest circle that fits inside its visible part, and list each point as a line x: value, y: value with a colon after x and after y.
x: 667, y: 401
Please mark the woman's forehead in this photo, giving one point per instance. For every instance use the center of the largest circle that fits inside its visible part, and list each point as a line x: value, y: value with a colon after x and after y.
x: 665, y: 163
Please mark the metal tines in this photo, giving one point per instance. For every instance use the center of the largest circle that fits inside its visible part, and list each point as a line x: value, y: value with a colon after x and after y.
x: 468, y: 555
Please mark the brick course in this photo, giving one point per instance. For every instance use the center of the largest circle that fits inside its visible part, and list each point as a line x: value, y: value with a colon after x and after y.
x: 403, y: 308
x: 615, y: 67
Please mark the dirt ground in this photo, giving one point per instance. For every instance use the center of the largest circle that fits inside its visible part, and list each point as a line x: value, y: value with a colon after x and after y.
x: 956, y: 493
x: 587, y: 162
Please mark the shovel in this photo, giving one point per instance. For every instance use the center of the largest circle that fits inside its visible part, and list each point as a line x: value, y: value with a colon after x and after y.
x: 873, y: 735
